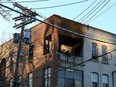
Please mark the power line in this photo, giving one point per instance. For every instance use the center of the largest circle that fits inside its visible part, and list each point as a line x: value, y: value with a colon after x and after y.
x: 100, y: 7
x: 90, y: 12
x: 23, y: 1
x: 61, y: 5
x: 85, y: 10
x: 103, y: 12
x: 58, y: 27
x: 98, y: 11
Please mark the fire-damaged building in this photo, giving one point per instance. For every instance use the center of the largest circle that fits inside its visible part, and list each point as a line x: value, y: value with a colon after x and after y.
x: 72, y: 55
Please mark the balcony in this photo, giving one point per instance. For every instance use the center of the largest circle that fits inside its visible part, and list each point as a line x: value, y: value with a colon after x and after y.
x: 68, y: 60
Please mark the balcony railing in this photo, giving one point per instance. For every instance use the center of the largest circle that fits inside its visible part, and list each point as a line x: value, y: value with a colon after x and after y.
x: 69, y: 58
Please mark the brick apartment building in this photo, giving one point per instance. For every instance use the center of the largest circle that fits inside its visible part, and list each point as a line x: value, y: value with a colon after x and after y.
x: 44, y: 62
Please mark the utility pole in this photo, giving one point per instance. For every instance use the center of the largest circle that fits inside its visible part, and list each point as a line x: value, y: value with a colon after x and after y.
x: 25, y: 20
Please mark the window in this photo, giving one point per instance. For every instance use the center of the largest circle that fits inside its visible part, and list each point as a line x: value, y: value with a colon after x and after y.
x: 3, y: 69
x: 30, y: 77
x: 31, y: 50
x: 105, y: 80
x: 47, y: 44
x: 105, y: 57
x: 94, y: 50
x: 11, y: 83
x: 19, y: 80
x: 70, y: 78
x: 94, y: 78
x: 47, y: 77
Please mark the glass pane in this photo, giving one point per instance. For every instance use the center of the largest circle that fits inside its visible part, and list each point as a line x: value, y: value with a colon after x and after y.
x: 94, y: 84
x: 30, y: 79
x: 61, y: 73
x: 61, y: 82
x: 47, y: 76
x: 94, y: 77
x: 105, y: 85
x: 105, y: 79
x: 104, y: 50
x: 69, y: 74
x: 70, y: 83
x: 94, y: 48
x: 78, y: 75
x: 78, y: 83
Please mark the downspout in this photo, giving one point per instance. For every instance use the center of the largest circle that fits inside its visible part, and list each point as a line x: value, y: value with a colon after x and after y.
x: 113, y: 79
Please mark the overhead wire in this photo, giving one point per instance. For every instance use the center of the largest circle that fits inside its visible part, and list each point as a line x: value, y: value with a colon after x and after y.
x: 98, y: 11
x: 58, y: 27
x: 61, y: 5
x: 84, y: 61
x: 103, y: 12
x: 91, y: 11
x: 85, y: 10
x: 22, y: 1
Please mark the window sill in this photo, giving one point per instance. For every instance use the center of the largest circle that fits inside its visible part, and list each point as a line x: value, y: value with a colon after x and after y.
x: 105, y: 62
x: 95, y: 60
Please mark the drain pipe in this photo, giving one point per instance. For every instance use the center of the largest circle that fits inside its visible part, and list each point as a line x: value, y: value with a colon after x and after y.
x: 113, y: 78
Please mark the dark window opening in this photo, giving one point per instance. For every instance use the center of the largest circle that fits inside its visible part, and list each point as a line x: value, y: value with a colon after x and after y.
x: 70, y: 46
x: 47, y: 44
x: 31, y: 51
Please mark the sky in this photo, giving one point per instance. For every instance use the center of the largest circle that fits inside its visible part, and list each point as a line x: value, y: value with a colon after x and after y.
x: 96, y: 13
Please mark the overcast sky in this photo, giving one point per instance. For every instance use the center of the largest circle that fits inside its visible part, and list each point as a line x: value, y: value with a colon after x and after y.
x: 97, y: 13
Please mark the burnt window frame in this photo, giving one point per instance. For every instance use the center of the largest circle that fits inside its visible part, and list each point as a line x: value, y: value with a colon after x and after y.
x: 73, y: 43
x: 47, y: 44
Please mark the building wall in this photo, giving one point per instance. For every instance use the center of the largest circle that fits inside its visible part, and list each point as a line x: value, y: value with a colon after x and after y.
x: 98, y: 66
x: 41, y: 61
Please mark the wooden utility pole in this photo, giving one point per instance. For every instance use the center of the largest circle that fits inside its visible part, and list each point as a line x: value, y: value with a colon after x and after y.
x: 25, y: 20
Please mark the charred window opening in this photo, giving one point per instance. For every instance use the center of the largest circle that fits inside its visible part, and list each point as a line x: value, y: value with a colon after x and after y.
x: 47, y: 44
x: 70, y: 46
x: 31, y: 50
